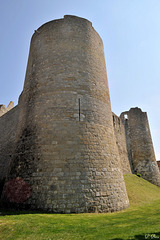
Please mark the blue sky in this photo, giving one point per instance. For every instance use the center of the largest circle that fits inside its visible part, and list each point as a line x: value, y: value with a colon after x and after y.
x: 130, y: 30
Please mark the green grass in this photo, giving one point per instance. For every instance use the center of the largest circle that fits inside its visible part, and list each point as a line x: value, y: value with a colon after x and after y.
x: 140, y: 191
x: 143, y: 217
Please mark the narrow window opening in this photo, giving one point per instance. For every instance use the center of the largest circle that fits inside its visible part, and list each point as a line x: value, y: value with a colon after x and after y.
x: 79, y: 109
x: 125, y: 116
x: 113, y: 120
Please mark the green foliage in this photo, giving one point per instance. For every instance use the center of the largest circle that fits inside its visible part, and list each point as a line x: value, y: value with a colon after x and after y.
x: 142, y: 218
x: 139, y: 175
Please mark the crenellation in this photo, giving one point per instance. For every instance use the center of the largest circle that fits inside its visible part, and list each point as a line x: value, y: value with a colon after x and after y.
x: 4, y: 109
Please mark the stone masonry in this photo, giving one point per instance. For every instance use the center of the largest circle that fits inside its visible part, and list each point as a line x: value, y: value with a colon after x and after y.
x: 62, y: 149
x: 140, y: 146
x: 158, y: 162
x: 119, y: 130
x: 66, y: 149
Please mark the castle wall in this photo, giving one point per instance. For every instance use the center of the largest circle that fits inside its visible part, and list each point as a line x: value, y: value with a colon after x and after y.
x: 140, y: 146
x: 66, y: 149
x: 158, y: 163
x: 62, y: 149
x: 8, y: 126
x: 119, y: 131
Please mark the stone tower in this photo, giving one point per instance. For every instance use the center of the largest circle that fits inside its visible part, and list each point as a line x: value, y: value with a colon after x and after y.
x: 66, y: 154
x: 140, y: 146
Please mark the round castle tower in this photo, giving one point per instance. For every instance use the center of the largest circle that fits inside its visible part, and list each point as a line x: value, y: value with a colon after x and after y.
x: 140, y: 147
x: 66, y: 149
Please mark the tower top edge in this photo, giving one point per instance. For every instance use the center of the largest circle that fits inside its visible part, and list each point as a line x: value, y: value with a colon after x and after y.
x: 133, y: 109
x: 76, y: 17
x: 66, y: 18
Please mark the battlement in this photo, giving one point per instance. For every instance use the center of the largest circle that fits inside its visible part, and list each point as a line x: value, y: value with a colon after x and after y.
x: 4, y: 109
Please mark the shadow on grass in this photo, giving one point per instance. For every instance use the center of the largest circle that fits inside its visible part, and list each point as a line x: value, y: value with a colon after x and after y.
x: 143, y: 236
x: 6, y: 212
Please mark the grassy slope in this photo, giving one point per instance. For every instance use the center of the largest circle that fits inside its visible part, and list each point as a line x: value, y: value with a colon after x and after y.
x: 143, y: 217
x: 140, y: 191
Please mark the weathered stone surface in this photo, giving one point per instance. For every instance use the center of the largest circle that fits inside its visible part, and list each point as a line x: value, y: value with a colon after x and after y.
x: 140, y: 146
x: 65, y: 136
x: 158, y: 163
x: 61, y: 149
x: 8, y: 126
x: 119, y: 131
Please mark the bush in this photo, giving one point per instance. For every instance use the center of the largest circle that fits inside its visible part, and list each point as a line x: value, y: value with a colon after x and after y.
x: 139, y: 175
